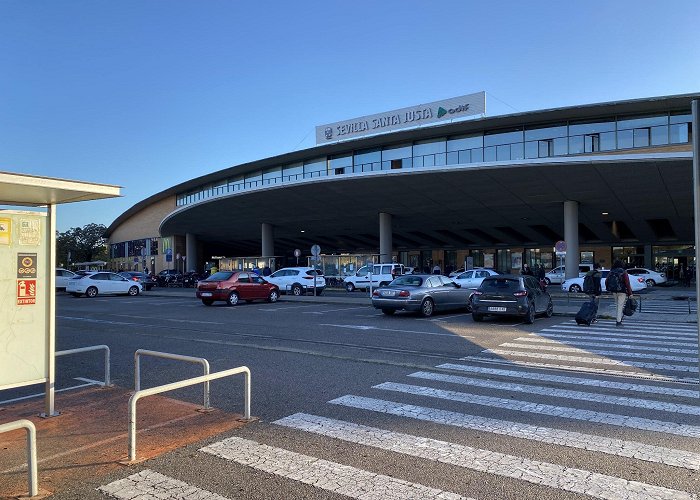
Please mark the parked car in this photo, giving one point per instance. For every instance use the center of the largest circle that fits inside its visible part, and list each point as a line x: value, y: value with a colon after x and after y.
x: 169, y: 277
x: 234, y: 286
x: 558, y: 274
x: 511, y: 295
x: 425, y: 293
x: 298, y: 280
x: 575, y: 285
x: 63, y: 276
x: 382, y: 275
x: 190, y: 279
x: 146, y: 280
x: 473, y: 277
x: 102, y: 283
x: 652, y: 278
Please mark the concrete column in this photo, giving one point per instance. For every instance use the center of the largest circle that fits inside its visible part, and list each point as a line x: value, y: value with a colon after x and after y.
x: 573, y: 254
x: 192, y: 260
x: 268, y: 240
x: 385, y: 238
x: 648, y: 257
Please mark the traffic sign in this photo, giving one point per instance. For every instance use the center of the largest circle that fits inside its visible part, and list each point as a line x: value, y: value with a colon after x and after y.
x: 560, y: 246
x: 297, y: 253
x: 315, y: 250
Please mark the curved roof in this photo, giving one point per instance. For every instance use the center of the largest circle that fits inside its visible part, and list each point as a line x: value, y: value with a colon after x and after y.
x: 646, y: 105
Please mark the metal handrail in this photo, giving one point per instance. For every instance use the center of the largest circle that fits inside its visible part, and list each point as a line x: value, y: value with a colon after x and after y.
x: 91, y: 348
x: 167, y: 355
x: 178, y: 385
x: 31, y: 450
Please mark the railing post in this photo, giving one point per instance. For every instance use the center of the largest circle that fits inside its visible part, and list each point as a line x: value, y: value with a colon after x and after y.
x: 33, y: 481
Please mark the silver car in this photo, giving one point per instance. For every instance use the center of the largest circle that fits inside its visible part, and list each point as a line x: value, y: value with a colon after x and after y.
x: 424, y: 293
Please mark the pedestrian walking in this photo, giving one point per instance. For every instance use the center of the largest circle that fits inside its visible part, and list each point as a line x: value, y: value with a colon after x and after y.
x: 526, y: 271
x: 592, y: 287
x: 618, y: 282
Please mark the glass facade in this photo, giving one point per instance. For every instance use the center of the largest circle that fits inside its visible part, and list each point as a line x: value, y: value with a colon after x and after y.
x: 514, y: 144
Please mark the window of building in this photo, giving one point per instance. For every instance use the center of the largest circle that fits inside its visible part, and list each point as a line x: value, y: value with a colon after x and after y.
x: 367, y: 160
x: 315, y: 168
x: 642, y: 137
x: 545, y: 148
x: 402, y: 152
x: 340, y: 164
x: 293, y: 172
x: 272, y: 175
x: 430, y: 153
x: 591, y: 143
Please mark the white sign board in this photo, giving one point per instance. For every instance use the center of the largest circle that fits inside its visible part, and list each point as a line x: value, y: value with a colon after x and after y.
x: 23, y: 298
x: 422, y: 114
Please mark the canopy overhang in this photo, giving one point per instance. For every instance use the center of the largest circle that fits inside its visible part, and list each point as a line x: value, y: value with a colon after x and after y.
x: 30, y: 190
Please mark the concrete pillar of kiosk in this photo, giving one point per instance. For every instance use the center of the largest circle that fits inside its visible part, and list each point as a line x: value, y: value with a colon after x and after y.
x: 385, y: 238
x: 573, y: 255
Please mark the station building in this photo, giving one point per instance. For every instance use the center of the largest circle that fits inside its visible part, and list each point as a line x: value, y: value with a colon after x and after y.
x: 612, y: 180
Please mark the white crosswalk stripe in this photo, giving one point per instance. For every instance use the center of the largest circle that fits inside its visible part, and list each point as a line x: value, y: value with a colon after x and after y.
x: 541, y: 434
x: 555, y: 476
x: 331, y: 476
x: 149, y: 484
x: 652, y: 420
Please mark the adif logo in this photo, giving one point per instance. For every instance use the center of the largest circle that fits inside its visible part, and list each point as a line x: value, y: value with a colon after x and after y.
x: 459, y: 109
x: 329, y: 133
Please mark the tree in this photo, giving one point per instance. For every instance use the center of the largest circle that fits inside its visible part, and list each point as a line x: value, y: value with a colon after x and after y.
x: 85, y: 244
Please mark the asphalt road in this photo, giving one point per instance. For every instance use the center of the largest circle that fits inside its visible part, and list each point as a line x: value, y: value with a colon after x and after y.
x: 497, y: 409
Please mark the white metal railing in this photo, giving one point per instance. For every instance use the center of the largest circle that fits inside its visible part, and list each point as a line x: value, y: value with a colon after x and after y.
x: 87, y: 349
x: 178, y: 385
x: 167, y: 355
x: 31, y: 450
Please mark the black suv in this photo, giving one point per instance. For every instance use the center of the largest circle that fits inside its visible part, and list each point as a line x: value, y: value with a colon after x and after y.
x: 511, y: 295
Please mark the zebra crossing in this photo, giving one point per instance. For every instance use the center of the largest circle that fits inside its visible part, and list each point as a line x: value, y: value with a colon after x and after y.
x: 600, y: 411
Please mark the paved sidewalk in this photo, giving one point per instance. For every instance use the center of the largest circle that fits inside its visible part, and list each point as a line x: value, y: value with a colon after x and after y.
x: 674, y: 301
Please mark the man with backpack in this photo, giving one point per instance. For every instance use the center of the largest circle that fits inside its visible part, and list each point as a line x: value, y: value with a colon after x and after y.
x: 618, y: 282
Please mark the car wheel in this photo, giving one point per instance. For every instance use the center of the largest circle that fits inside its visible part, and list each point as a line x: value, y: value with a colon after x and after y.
x: 651, y: 282
x: 548, y: 281
x: 530, y: 314
x: 76, y: 294
x: 133, y: 291
x: 207, y: 302
x: 91, y: 292
x: 550, y: 309
x: 427, y: 308
x: 349, y: 287
x: 274, y: 295
x: 477, y: 317
x: 388, y: 312
x: 232, y: 299
x: 297, y: 290
x: 575, y: 288
x: 469, y: 304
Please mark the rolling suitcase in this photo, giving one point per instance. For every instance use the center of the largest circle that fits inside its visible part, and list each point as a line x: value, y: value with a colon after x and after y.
x: 587, y: 313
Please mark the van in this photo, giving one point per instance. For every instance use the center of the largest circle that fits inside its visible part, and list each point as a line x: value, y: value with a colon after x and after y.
x: 557, y: 275
x: 382, y: 275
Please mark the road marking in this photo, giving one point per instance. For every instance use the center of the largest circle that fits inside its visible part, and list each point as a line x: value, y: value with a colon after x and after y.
x: 562, y: 393
x: 170, y: 319
x: 149, y: 484
x: 545, y: 409
x: 285, y: 308
x: 323, y: 474
x: 593, y: 382
x: 560, y: 331
x: 369, y: 327
x: 603, y: 352
x: 538, y: 433
x: 339, y: 310
x: 625, y: 361
x: 628, y: 327
x: 585, y: 369
x: 605, y: 341
x: 525, y: 469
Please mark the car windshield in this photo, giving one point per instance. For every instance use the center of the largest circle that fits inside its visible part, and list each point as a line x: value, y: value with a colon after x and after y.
x: 408, y: 280
x: 500, y: 284
x: 220, y: 276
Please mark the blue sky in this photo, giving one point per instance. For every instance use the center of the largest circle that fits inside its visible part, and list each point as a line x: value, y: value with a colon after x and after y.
x: 146, y: 94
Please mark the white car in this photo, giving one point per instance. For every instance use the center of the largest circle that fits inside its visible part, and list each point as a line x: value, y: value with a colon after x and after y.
x: 473, y: 277
x: 557, y: 275
x: 575, y: 285
x: 652, y: 278
x: 298, y: 280
x: 382, y: 275
x: 63, y: 276
x: 99, y: 283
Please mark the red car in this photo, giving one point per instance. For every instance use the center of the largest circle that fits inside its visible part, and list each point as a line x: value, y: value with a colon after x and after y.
x: 233, y: 286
